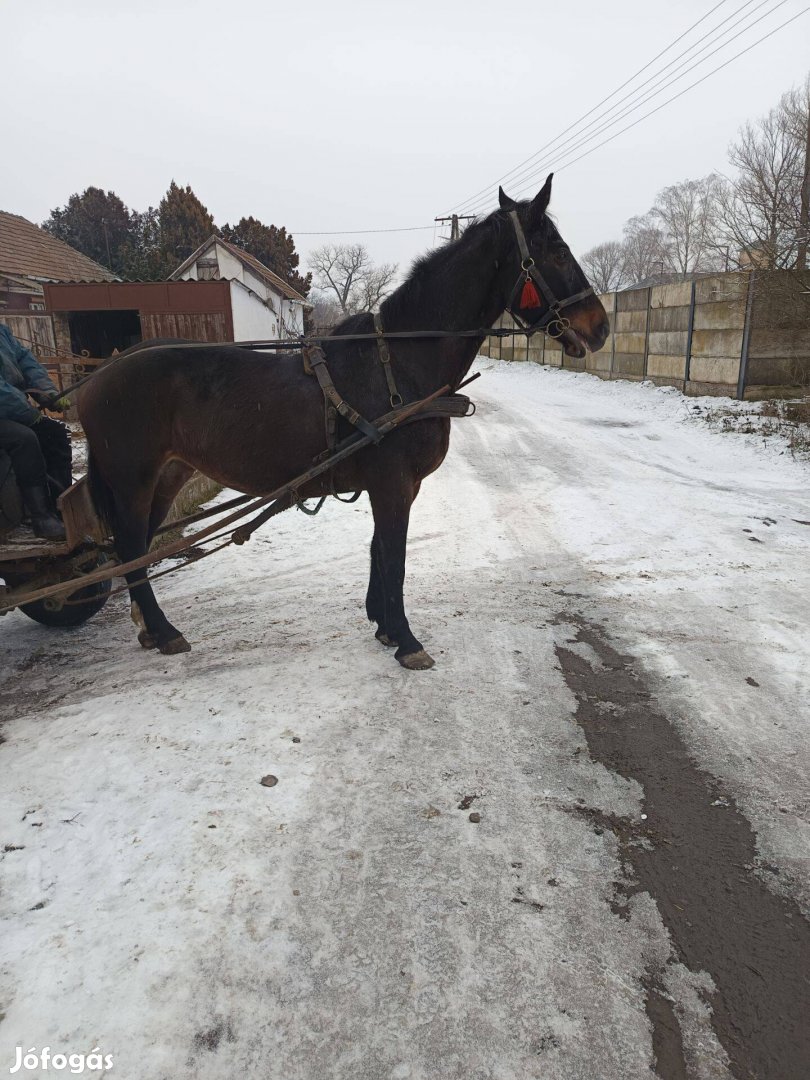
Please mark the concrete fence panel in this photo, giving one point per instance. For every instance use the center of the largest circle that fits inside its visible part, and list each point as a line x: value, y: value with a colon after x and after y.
x: 735, y: 333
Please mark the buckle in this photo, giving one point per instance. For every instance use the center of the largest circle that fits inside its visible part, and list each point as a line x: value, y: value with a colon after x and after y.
x: 557, y: 326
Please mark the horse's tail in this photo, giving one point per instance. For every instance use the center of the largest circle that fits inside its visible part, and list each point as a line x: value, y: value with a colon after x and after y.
x: 100, y: 493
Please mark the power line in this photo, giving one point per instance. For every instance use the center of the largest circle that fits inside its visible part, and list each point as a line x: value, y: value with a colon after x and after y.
x: 660, y: 83
x: 595, y: 107
x: 537, y: 170
x: 359, y: 232
x: 658, y: 108
x: 455, y: 229
x: 529, y: 178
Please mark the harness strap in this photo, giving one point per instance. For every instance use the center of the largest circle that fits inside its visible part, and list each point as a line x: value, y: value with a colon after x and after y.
x: 552, y: 322
x: 315, y: 358
x: 385, y: 360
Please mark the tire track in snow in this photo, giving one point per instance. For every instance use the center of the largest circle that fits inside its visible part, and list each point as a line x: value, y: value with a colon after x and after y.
x: 695, y: 856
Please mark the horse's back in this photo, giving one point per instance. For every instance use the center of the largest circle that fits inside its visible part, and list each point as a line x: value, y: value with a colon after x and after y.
x: 234, y: 414
x: 157, y: 376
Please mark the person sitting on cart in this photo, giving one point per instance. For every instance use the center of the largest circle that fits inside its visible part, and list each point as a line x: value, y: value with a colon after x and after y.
x: 38, y: 446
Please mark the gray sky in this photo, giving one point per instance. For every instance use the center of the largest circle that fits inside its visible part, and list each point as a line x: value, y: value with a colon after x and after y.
x: 363, y: 115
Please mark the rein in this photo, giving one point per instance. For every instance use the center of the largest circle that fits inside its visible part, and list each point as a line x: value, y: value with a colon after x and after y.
x: 551, y: 322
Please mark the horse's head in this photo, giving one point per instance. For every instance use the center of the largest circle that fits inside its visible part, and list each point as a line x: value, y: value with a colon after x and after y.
x: 582, y: 322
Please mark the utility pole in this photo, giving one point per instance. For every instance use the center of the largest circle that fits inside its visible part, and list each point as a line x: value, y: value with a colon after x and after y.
x: 107, y: 241
x: 804, y: 211
x: 454, y: 219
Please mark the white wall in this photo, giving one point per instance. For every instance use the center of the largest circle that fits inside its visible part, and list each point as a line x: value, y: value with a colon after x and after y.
x: 252, y: 320
x: 263, y: 315
x: 229, y: 266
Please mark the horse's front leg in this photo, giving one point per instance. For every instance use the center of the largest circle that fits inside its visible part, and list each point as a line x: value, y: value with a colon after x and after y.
x: 391, y: 506
x: 375, y: 597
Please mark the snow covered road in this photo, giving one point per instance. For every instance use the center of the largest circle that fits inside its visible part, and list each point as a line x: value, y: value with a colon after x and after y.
x: 616, y: 598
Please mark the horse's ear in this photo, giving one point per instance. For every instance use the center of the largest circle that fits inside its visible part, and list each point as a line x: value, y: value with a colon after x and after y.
x: 504, y: 201
x: 541, y: 200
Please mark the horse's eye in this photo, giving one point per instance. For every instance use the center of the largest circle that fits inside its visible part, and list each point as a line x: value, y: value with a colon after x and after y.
x: 562, y: 256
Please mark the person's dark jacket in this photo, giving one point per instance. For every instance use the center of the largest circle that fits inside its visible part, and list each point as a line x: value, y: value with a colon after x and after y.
x: 19, y: 371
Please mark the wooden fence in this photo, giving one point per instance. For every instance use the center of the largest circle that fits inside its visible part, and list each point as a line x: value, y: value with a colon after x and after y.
x: 36, y: 333
x: 33, y: 331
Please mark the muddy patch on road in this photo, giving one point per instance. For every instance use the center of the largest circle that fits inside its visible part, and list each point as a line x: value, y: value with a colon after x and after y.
x: 695, y: 853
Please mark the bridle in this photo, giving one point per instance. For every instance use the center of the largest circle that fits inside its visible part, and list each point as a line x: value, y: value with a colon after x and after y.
x: 551, y: 322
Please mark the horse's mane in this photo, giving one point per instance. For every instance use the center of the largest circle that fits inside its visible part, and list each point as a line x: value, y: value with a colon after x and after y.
x: 434, y: 265
x: 441, y: 263
x: 439, y: 267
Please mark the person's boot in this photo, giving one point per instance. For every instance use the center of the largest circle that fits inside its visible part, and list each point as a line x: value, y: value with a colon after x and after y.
x: 44, y: 521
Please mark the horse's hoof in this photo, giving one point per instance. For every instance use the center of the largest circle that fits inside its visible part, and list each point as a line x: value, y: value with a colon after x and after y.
x: 176, y: 645
x: 417, y: 661
x: 384, y: 639
x: 146, y: 640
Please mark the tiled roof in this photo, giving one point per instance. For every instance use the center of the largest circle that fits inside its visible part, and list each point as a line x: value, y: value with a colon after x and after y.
x: 264, y: 271
x: 27, y: 250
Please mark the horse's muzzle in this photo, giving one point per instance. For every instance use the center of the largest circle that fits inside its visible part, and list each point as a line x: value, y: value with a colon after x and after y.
x: 588, y: 331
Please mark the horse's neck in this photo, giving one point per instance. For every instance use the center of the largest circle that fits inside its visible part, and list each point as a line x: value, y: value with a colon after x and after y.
x: 462, y: 293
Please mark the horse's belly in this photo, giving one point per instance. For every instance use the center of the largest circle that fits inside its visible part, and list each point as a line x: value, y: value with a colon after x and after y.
x: 252, y: 457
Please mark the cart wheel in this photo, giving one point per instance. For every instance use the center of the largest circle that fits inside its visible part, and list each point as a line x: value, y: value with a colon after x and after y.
x: 93, y: 598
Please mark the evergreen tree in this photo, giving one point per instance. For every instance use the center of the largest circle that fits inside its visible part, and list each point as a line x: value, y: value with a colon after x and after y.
x: 143, y: 258
x: 184, y: 224
x: 98, y: 224
x: 270, y: 245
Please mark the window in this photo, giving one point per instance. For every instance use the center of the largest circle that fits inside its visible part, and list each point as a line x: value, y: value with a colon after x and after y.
x: 207, y: 270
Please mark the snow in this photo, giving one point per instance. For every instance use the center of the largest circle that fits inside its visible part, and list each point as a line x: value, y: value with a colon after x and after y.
x: 352, y: 922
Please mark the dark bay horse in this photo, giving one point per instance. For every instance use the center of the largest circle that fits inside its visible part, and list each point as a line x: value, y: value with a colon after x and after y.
x: 253, y: 422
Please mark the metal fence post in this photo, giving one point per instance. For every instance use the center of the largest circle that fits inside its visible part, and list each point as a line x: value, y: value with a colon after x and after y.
x: 746, y: 338
x: 687, y: 373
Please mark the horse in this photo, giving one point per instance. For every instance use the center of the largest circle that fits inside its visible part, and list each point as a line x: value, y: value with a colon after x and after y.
x: 253, y: 423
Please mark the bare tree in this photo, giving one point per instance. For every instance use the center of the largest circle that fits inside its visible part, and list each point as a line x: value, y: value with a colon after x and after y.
x: 375, y: 286
x: 336, y: 267
x: 604, y: 266
x: 760, y: 216
x: 759, y: 210
x: 796, y: 104
x: 326, y: 311
x: 685, y: 214
x: 645, y: 248
x: 347, y: 272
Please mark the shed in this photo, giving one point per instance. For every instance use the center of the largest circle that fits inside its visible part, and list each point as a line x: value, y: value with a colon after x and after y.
x: 96, y: 318
x: 262, y: 303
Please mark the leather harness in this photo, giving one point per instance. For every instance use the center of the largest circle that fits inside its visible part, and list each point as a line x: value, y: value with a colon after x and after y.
x: 385, y: 360
x: 551, y: 322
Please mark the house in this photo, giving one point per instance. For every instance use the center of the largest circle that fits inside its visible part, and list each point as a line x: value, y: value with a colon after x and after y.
x: 220, y: 293
x: 60, y: 303
x: 29, y: 259
x: 263, y: 305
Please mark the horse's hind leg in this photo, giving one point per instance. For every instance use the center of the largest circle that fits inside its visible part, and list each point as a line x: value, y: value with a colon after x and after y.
x: 131, y: 533
x: 172, y: 478
x: 391, y: 506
